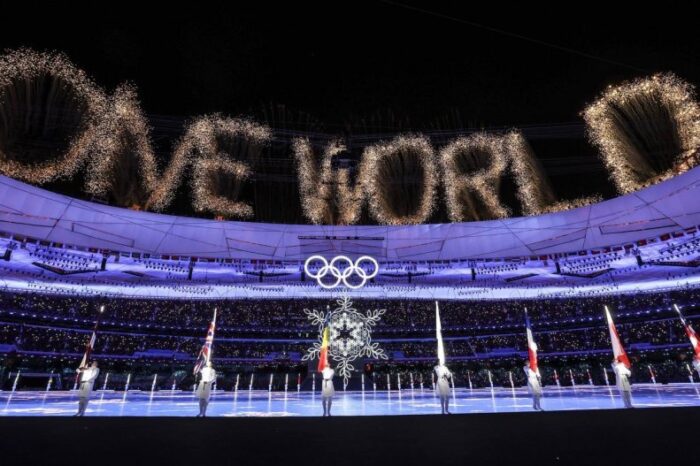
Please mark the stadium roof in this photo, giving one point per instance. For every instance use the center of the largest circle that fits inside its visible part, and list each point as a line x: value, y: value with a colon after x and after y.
x: 664, y: 208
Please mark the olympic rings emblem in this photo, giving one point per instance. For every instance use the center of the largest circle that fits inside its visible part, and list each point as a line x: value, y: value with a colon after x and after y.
x: 341, y: 276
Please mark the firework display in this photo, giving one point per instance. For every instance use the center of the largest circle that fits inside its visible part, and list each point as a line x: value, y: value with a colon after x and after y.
x: 327, y: 195
x: 646, y: 130
x: 122, y: 136
x: 54, y: 121
x: 40, y: 94
x: 534, y: 189
x: 473, y: 167
x: 218, y: 177
x: 401, y: 179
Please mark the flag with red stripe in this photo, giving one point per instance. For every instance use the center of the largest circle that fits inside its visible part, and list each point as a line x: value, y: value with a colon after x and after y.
x: 692, y: 336
x: 325, y: 343
x: 206, y: 351
x: 531, y: 346
x: 618, y: 349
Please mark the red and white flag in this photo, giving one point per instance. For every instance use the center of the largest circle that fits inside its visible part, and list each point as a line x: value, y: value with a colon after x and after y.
x: 205, y: 353
x: 531, y: 346
x: 692, y: 336
x: 618, y: 349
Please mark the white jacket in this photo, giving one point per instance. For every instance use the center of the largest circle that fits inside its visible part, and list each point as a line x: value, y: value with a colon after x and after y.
x: 622, y: 375
x: 443, y: 375
x: 533, y: 381
x: 87, y: 381
x: 89, y: 375
x: 208, y: 374
x: 327, y: 388
x: 696, y: 365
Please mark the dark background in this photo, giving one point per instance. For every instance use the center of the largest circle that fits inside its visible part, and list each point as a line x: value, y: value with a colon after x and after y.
x: 371, y: 67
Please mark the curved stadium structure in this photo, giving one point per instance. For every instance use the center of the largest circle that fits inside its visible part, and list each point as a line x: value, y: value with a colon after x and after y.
x: 159, y: 277
x: 395, y: 234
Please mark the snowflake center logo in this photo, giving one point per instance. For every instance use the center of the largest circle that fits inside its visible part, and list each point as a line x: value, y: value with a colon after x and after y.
x: 350, y: 335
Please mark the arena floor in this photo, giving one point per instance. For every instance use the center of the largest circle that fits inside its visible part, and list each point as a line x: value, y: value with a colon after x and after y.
x: 382, y: 403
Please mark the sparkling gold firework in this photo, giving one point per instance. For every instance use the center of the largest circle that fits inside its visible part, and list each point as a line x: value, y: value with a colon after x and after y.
x: 646, y: 129
x: 400, y: 178
x: 35, y: 89
x: 534, y: 190
x: 217, y: 141
x: 122, y: 135
x: 473, y: 167
x: 327, y: 196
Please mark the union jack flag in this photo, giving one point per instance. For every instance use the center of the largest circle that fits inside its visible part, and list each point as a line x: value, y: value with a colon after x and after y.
x: 205, y: 353
x: 90, y: 346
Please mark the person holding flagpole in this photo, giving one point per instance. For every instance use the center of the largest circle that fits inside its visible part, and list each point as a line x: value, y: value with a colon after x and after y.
x: 85, y: 375
x: 327, y: 372
x: 203, y: 367
x: 442, y: 373
x: 532, y: 371
x: 693, y: 337
x: 207, y: 377
x: 621, y: 364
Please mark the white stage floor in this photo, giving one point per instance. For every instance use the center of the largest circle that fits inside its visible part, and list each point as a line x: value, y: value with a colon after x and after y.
x: 263, y: 404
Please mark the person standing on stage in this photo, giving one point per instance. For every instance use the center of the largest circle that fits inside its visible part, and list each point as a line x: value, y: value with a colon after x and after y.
x: 532, y: 371
x: 694, y: 340
x: 327, y: 389
x: 207, y: 378
x: 324, y: 367
x: 87, y: 375
x: 622, y: 374
x: 534, y: 387
x: 444, y: 376
x: 205, y: 370
x: 621, y: 363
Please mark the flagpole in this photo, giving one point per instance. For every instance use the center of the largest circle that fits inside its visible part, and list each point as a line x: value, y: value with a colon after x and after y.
x: 618, y: 350
x: 204, y: 356
x: 438, y: 336
x: 531, y: 347
x: 692, y: 336
x: 89, y: 347
x: 213, y: 324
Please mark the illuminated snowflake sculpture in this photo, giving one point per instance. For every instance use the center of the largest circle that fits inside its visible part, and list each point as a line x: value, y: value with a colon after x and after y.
x: 350, y: 335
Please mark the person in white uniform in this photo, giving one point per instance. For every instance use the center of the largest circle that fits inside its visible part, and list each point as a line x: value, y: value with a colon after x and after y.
x: 87, y: 375
x: 443, y: 375
x: 207, y: 378
x: 622, y: 374
x: 327, y: 389
x: 696, y: 365
x: 534, y: 387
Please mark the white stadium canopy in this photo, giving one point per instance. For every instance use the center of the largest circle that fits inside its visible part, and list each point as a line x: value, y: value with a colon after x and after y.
x: 667, y: 207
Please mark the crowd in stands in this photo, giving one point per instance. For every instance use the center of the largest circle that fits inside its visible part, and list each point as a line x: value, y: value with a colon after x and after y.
x: 272, y: 335
x: 288, y: 314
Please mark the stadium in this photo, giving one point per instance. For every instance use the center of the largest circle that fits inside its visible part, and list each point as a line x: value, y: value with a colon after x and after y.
x: 266, y: 274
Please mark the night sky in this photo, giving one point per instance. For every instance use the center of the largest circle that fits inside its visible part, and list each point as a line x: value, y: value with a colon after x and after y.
x: 362, y: 57
x: 357, y: 60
